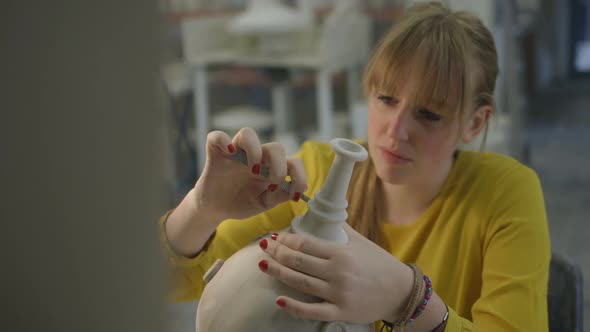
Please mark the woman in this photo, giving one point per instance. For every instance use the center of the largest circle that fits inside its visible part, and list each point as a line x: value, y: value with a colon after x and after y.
x: 474, y: 222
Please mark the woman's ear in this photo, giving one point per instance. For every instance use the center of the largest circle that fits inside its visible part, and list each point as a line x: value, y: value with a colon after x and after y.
x: 476, y: 122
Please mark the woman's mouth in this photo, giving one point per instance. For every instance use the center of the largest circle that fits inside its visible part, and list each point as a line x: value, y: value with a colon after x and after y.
x: 394, y: 157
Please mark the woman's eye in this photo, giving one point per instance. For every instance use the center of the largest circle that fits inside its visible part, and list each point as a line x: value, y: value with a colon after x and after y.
x: 386, y: 99
x: 428, y: 115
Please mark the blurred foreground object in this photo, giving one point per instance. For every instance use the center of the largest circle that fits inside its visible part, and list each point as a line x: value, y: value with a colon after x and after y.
x: 82, y: 185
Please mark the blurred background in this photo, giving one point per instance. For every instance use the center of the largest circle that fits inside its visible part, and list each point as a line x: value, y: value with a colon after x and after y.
x: 106, y: 106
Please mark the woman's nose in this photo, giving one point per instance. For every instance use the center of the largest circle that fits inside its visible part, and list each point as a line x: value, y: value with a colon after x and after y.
x: 398, y: 125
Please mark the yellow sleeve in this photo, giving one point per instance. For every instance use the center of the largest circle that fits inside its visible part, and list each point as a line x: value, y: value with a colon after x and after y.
x: 516, y: 256
x: 231, y: 235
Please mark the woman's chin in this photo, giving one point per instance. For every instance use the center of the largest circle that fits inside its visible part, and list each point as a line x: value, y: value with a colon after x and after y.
x: 393, y: 176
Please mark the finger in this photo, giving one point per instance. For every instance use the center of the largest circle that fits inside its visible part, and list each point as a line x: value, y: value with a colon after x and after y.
x: 321, y: 311
x: 308, y: 245
x: 298, y: 261
x: 296, y: 171
x: 275, y: 158
x: 219, y: 141
x: 295, y: 279
x: 248, y: 140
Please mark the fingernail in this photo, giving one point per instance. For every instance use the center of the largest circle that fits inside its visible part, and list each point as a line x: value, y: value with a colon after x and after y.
x: 281, y: 303
x: 297, y: 196
x: 263, y: 265
x: 274, y: 236
x: 272, y: 187
x: 231, y: 148
x: 263, y: 244
x: 256, y: 169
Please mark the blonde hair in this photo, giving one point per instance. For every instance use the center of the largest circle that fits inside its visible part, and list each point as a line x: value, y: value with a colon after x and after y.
x: 454, y: 56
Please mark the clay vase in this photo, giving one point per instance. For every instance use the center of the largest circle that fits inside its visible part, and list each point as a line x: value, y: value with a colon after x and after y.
x: 239, y: 297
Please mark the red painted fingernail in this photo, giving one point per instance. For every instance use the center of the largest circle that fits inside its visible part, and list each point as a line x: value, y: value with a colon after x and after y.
x: 281, y: 303
x: 297, y: 196
x: 263, y: 244
x: 274, y: 236
x: 263, y: 265
x: 231, y: 148
x: 256, y: 169
x: 272, y: 187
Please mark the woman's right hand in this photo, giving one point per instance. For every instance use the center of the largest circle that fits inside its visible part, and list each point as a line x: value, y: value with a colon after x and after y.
x: 228, y: 189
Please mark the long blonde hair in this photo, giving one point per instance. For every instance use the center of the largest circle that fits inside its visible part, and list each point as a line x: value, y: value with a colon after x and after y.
x: 454, y: 55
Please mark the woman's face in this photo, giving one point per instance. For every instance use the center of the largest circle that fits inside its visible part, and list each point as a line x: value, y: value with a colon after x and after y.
x: 409, y: 142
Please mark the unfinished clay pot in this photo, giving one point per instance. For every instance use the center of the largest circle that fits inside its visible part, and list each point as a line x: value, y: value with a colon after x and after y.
x: 239, y: 297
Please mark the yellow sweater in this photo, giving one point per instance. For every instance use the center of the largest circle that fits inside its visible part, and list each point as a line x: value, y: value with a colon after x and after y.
x: 484, y: 242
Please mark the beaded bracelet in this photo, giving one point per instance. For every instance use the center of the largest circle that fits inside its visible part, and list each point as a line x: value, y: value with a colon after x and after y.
x: 415, y: 299
x: 427, y: 295
x: 414, y: 296
x: 417, y: 303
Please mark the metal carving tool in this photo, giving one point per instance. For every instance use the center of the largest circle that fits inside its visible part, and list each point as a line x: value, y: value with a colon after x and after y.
x: 241, y: 156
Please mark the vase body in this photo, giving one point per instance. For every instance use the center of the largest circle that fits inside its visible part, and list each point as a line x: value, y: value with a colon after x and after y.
x: 241, y: 298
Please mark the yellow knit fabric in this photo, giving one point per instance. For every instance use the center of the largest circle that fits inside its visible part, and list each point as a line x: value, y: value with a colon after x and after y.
x: 484, y: 242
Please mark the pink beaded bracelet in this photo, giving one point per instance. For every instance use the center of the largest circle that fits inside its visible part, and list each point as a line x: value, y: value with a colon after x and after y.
x: 427, y: 296
x: 419, y: 306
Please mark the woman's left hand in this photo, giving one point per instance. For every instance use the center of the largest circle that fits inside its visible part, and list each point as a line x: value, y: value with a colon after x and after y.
x: 358, y: 281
